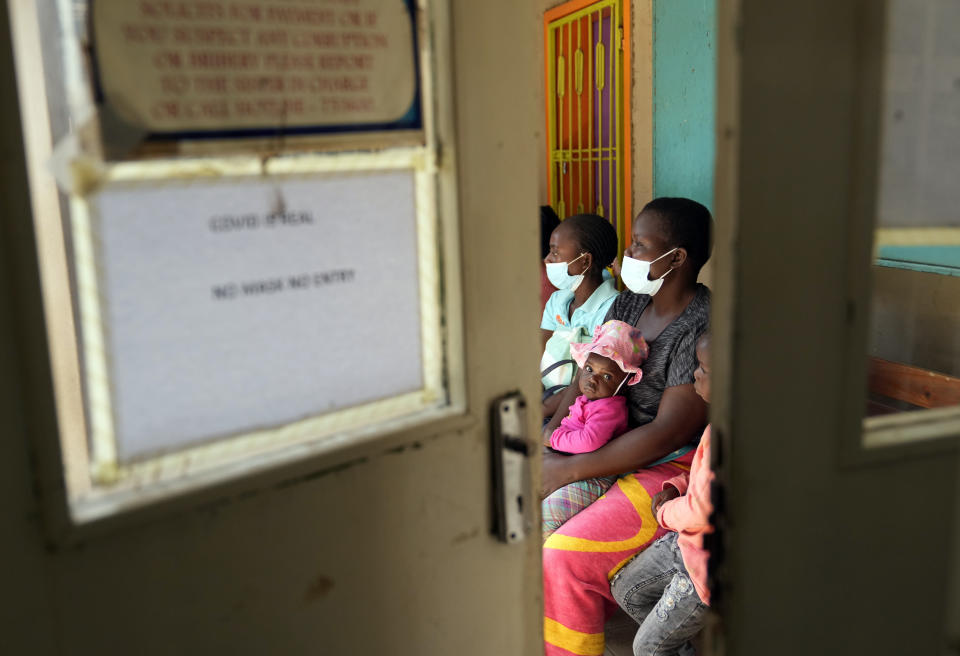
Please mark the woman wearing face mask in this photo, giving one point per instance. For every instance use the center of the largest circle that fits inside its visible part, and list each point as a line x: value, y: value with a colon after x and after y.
x: 581, y: 247
x: 670, y: 243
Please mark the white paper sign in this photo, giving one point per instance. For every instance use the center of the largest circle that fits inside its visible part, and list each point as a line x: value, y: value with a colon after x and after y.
x: 236, y: 305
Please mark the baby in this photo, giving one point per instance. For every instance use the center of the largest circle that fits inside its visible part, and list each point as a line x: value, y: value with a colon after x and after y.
x: 599, y: 414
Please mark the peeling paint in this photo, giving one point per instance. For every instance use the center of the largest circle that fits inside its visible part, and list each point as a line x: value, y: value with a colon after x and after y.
x: 465, y: 536
x: 320, y: 473
x: 319, y: 589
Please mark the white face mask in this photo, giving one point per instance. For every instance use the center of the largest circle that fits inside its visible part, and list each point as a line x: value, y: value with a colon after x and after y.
x: 558, y: 276
x: 635, y: 274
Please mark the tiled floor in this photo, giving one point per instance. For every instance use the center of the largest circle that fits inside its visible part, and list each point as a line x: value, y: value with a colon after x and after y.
x: 620, y: 630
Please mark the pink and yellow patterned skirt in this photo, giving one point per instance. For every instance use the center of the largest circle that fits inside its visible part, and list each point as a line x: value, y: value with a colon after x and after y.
x: 581, y: 557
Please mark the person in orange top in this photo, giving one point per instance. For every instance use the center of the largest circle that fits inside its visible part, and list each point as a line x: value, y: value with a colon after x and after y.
x: 665, y: 587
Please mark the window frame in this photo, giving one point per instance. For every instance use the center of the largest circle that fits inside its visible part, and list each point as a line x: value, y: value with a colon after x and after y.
x: 78, y: 500
x: 868, y: 440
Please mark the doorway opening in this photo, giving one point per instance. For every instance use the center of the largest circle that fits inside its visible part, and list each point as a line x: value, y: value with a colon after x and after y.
x: 587, y: 51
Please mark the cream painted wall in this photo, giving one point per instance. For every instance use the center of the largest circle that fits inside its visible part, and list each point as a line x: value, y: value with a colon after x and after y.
x: 540, y: 132
x: 382, y: 549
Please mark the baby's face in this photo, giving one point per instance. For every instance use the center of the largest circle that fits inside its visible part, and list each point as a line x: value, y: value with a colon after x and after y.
x: 701, y: 376
x: 600, y: 377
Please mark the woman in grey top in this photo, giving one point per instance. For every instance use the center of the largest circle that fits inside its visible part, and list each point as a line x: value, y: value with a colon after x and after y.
x: 670, y: 243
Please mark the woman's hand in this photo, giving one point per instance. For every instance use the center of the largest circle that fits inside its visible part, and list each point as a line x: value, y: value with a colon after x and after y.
x: 550, y: 406
x: 554, y: 473
x: 661, y: 498
x: 546, y: 433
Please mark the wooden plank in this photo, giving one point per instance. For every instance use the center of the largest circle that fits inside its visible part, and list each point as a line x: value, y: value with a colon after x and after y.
x: 920, y: 387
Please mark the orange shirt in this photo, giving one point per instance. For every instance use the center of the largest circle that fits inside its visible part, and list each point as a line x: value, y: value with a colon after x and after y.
x: 689, y: 515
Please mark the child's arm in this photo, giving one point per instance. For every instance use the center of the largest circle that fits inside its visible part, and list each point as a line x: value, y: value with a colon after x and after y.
x: 601, y: 422
x: 691, y: 512
x: 672, y: 489
x: 680, y: 481
x: 550, y: 406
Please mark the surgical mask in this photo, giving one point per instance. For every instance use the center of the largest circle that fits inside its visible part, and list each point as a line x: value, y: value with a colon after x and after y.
x: 635, y: 274
x: 558, y: 276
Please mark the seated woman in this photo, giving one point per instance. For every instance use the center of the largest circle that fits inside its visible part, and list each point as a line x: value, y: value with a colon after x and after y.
x: 581, y: 247
x: 599, y: 414
x: 671, y: 242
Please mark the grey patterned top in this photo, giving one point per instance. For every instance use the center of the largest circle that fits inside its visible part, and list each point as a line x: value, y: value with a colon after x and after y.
x: 672, y: 359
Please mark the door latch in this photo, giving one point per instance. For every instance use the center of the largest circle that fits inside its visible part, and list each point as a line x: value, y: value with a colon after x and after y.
x: 510, y: 453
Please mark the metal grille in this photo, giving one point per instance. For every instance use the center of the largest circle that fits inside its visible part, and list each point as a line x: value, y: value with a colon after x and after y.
x: 585, y: 127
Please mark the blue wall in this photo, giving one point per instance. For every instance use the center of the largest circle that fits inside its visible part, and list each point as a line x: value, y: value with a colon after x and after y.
x: 684, y: 87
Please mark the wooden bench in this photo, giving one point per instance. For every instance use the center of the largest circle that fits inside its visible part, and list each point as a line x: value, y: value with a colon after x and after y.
x: 896, y: 387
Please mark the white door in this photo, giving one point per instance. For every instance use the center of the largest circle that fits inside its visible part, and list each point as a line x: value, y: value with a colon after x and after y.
x: 381, y: 547
x: 832, y: 547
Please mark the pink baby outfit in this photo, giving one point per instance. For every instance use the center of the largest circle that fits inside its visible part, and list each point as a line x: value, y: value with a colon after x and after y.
x: 689, y: 515
x: 590, y: 424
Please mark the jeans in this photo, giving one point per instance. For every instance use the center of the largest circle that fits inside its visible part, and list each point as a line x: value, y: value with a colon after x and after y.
x: 655, y: 590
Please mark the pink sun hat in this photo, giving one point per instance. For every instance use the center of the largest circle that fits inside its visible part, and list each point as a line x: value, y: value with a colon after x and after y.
x: 618, y: 341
